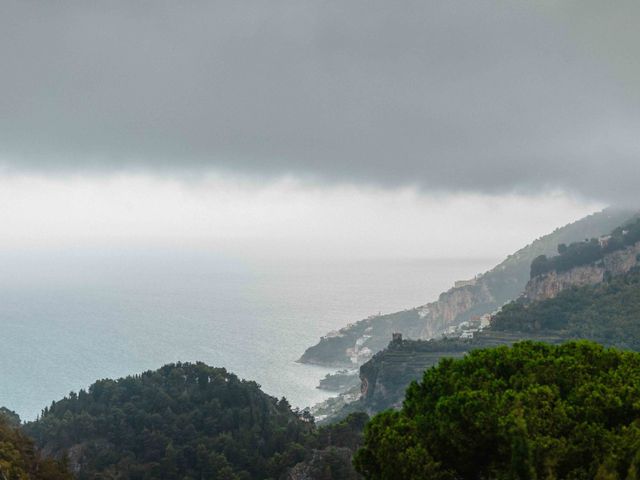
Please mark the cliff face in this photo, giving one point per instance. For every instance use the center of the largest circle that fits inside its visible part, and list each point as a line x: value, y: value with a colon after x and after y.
x: 550, y: 284
x: 453, y: 304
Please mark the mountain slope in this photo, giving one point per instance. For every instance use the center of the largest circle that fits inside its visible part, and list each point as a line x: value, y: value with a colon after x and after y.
x: 608, y: 313
x: 355, y: 343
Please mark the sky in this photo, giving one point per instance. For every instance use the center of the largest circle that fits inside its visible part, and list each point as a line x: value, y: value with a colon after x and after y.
x: 287, y: 218
x: 299, y: 127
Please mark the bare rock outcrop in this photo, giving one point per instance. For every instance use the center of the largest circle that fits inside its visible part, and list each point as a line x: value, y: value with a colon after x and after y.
x: 449, y: 307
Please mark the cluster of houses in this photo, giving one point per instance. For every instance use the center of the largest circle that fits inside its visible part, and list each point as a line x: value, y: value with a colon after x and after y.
x: 604, y: 240
x: 360, y: 353
x: 469, y: 328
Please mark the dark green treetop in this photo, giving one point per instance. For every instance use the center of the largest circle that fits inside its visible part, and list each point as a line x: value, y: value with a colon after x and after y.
x: 530, y: 411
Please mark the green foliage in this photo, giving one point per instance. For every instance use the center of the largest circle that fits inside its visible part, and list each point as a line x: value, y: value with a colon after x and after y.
x: 608, y: 313
x: 531, y: 411
x: 181, y: 421
x: 12, y: 418
x: 587, y: 252
x: 393, y: 450
x: 191, y: 421
x: 574, y: 255
x: 330, y: 449
x: 19, y: 460
x: 346, y: 433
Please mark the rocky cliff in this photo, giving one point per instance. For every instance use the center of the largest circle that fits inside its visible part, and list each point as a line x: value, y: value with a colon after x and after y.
x: 550, y: 284
x: 456, y: 305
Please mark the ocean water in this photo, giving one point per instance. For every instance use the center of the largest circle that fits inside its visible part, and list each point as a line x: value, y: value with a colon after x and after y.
x: 67, y: 319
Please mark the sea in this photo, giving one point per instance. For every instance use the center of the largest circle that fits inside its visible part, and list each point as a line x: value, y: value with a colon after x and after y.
x: 68, y: 318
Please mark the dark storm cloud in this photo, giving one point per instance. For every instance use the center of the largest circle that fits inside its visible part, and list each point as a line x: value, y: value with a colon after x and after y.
x: 469, y: 96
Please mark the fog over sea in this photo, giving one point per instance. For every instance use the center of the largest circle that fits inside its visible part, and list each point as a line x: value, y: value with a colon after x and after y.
x: 68, y: 319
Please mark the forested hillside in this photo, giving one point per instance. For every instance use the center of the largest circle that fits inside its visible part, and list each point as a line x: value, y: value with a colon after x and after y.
x: 190, y: 421
x: 608, y: 312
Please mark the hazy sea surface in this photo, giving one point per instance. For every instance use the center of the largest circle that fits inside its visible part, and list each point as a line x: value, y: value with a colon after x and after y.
x: 68, y: 319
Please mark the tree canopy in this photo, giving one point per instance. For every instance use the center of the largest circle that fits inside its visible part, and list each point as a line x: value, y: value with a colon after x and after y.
x: 19, y: 459
x: 530, y: 411
x: 190, y: 421
x: 587, y: 252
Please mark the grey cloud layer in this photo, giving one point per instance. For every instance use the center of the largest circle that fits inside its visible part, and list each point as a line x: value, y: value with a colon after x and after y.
x: 476, y: 95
